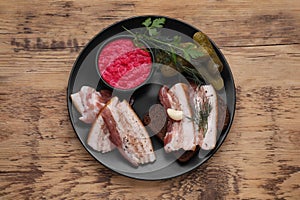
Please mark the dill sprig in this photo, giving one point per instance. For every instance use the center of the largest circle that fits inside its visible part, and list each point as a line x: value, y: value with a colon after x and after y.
x: 201, y: 116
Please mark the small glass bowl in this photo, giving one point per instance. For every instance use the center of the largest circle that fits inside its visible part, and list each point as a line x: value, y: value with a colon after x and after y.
x: 117, y: 37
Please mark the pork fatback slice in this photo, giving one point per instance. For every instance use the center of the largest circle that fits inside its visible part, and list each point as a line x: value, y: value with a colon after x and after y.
x: 89, y: 102
x: 127, y: 132
x: 98, y: 137
x: 182, y: 134
x: 207, y: 94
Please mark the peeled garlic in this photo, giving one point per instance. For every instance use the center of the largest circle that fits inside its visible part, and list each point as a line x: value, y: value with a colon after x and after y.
x: 175, y: 114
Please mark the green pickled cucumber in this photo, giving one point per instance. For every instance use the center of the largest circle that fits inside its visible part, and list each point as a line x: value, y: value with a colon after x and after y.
x: 203, y: 41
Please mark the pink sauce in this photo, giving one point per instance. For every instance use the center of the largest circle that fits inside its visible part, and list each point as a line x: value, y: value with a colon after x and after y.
x: 123, y: 65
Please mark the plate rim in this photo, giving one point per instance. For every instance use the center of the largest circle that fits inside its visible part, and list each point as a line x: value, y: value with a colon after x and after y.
x: 132, y: 175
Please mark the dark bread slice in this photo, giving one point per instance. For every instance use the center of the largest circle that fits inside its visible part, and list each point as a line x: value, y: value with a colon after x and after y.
x: 156, y: 121
x: 222, y: 110
x: 185, y: 156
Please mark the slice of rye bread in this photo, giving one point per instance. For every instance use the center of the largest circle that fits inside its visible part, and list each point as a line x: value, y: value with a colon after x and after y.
x: 156, y: 122
x: 222, y: 110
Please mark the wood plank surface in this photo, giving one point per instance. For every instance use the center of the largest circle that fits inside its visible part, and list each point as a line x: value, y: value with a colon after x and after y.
x: 40, y: 155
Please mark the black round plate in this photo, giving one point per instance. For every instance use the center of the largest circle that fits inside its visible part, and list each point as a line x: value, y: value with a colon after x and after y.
x: 84, y: 72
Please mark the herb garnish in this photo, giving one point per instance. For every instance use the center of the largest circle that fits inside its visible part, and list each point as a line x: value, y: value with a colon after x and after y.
x: 151, y: 35
x: 173, y: 51
x: 200, y: 117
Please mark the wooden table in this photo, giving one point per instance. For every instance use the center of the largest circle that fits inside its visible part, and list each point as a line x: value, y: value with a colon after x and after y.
x: 40, y: 155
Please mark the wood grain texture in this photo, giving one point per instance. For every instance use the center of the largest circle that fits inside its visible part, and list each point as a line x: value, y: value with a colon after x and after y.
x: 40, y: 155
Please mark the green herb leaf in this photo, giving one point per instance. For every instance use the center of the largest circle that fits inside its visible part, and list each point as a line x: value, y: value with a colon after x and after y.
x: 153, y: 25
x: 176, y: 40
x: 158, y: 23
x: 187, y: 56
x: 147, y: 22
x: 152, y: 31
x: 193, y: 51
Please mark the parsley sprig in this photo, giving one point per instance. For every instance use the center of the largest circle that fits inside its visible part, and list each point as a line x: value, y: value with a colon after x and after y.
x: 152, y: 26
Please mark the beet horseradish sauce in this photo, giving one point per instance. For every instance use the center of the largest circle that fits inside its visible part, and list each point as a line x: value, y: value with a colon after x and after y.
x: 123, y: 65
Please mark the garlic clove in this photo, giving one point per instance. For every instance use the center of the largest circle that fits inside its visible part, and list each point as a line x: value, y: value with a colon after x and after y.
x: 175, y: 114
